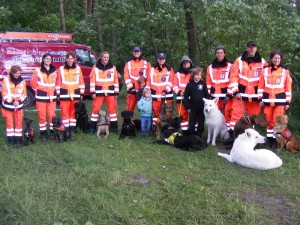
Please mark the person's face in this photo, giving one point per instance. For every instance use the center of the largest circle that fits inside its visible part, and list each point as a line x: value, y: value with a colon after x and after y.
x: 47, y: 60
x: 197, y: 77
x: 105, y: 59
x: 70, y: 60
x: 17, y: 74
x: 147, y: 94
x: 186, y: 64
x: 220, y: 55
x: 143, y: 84
x: 251, y: 50
x: 136, y: 54
x: 161, y: 61
x: 276, y: 60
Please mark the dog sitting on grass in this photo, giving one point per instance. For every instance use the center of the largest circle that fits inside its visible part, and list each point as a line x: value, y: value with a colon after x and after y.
x: 129, y: 126
x: 103, y: 124
x: 82, y: 118
x: 59, y: 129
x: 243, y: 152
x: 166, y: 112
x: 284, y: 136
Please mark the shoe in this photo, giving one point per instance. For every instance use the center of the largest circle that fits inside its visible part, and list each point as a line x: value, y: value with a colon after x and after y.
x: 92, y: 131
x: 52, y: 134
x: 115, y: 130
x: 44, y: 135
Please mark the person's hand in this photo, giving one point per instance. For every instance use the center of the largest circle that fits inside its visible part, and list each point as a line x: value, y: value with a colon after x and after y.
x: 93, y: 96
x: 287, y: 107
x: 189, y: 111
x: 16, y: 103
x: 81, y: 97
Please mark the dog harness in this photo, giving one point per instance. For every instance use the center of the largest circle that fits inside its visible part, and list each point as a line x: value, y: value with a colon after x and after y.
x: 287, y: 134
x: 171, y: 138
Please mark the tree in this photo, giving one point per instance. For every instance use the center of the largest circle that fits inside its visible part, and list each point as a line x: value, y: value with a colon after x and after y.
x: 62, y: 16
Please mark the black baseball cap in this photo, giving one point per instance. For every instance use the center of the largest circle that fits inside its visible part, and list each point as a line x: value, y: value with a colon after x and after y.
x: 251, y: 43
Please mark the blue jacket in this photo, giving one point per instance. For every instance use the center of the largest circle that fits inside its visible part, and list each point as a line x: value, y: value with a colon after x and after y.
x: 145, y: 105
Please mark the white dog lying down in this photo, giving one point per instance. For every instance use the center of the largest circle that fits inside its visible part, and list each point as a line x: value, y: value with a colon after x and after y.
x: 243, y: 152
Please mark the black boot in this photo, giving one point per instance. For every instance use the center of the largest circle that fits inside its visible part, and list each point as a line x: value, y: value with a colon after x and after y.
x: 272, y: 144
x: 72, y: 132
x: 66, y: 134
x: 52, y: 134
x: 92, y: 127
x: 114, y: 126
x: 18, y: 141
x: 230, y: 140
x: 185, y: 132
x: 44, y: 135
x: 10, y: 140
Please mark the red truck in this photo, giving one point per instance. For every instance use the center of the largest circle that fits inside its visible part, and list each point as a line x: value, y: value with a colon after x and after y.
x: 27, y: 48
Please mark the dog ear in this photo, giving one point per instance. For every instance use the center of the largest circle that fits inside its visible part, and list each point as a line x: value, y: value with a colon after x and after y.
x: 216, y: 100
x: 204, y: 99
x: 130, y: 113
x: 286, y: 119
x: 248, y: 133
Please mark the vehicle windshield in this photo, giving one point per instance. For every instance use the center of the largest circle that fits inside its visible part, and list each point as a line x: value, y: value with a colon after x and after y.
x: 85, y: 57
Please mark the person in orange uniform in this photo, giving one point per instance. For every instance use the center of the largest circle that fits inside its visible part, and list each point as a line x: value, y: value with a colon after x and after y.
x: 69, y: 88
x: 133, y: 70
x: 243, y: 83
x: 275, y: 90
x: 160, y: 82
x: 217, y: 80
x: 181, y: 79
x: 104, y: 86
x: 13, y: 97
x: 43, y: 82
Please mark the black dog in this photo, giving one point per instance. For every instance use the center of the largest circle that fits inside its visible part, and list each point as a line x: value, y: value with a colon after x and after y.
x: 129, y: 126
x: 172, y: 135
x: 29, y: 131
x: 82, y: 119
x: 59, y: 129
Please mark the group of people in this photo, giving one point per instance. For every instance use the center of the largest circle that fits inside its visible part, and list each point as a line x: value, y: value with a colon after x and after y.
x: 249, y: 84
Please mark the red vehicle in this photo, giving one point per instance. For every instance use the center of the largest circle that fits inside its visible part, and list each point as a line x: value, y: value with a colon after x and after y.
x: 26, y: 50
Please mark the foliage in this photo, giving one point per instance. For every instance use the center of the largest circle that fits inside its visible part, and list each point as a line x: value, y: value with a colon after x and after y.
x: 4, y: 19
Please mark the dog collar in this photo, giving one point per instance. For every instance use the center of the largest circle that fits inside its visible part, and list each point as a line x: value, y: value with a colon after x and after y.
x: 171, y: 138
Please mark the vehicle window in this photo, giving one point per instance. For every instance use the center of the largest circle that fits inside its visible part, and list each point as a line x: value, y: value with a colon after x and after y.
x: 84, y: 57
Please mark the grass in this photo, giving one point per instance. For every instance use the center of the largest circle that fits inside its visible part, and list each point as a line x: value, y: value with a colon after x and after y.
x: 90, y: 181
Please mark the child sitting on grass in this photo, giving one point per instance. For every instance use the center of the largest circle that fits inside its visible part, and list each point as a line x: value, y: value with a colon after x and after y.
x: 145, y: 108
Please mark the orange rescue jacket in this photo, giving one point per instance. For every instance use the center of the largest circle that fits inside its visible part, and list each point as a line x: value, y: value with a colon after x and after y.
x: 70, y: 83
x: 13, y: 92
x: 275, y: 86
x: 179, y: 83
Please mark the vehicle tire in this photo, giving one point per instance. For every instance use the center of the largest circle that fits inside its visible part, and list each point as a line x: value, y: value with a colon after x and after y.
x: 30, y: 99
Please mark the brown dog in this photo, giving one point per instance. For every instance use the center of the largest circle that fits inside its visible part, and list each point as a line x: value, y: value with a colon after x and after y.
x: 284, y: 136
x: 103, y: 124
x: 166, y: 112
x: 249, y: 121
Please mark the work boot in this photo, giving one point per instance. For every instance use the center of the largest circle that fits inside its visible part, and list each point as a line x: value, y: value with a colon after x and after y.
x: 114, y: 126
x: 52, y: 134
x: 72, y: 132
x: 44, y: 135
x: 272, y: 144
x: 230, y: 140
x: 19, y: 143
x: 92, y: 127
x: 67, y: 134
x: 10, y: 140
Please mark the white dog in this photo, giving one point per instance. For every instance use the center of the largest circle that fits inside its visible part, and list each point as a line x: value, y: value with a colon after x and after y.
x: 243, y: 152
x: 215, y: 121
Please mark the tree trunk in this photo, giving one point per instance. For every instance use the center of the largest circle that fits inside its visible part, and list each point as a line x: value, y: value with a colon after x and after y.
x: 98, y: 25
x: 191, y: 31
x: 85, y: 9
x: 62, y: 16
x: 90, y: 7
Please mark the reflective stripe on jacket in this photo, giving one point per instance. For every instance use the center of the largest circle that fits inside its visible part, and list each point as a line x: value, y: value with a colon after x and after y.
x: 275, y: 87
x: 179, y: 83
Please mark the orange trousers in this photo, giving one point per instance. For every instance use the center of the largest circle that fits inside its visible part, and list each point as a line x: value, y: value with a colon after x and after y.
x: 228, y: 112
x: 239, y: 107
x: 45, y: 109
x: 111, y: 102
x: 131, y: 101
x: 181, y: 111
x: 14, y: 122
x: 68, y: 112
x: 271, y: 112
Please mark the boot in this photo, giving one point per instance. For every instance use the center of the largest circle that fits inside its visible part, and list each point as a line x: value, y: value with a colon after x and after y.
x: 10, y: 140
x: 72, y: 132
x: 114, y: 126
x: 44, y: 135
x: 19, y: 143
x: 66, y: 134
x: 185, y: 132
x: 230, y: 140
x: 272, y: 144
x: 92, y: 127
x: 52, y: 134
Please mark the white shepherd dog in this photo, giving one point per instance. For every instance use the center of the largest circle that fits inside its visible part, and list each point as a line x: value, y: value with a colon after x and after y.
x: 215, y: 121
x: 243, y: 152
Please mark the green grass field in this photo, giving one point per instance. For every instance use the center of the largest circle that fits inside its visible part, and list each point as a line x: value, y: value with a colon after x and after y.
x: 89, y: 181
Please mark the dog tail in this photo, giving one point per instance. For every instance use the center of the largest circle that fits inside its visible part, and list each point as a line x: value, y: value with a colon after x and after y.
x: 226, y: 156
